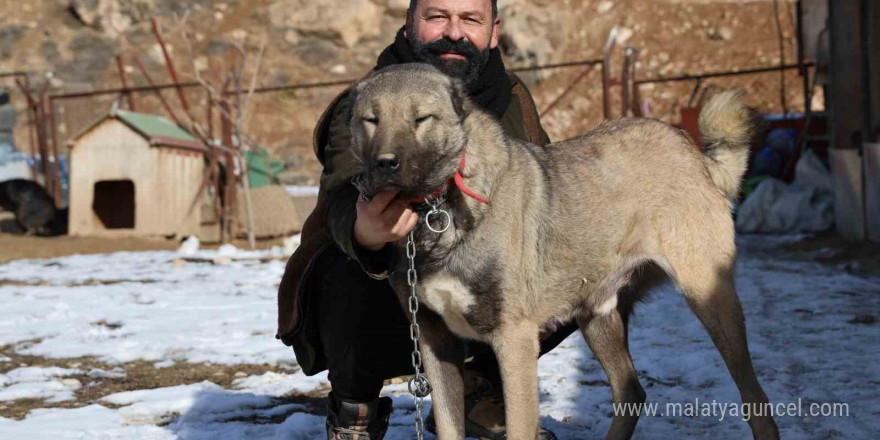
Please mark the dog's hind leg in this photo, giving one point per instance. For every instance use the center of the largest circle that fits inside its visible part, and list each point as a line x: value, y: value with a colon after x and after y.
x: 516, y: 347
x: 443, y: 357
x: 607, y: 336
x: 710, y: 293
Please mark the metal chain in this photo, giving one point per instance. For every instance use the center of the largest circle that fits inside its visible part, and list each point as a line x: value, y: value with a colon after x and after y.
x: 418, y: 385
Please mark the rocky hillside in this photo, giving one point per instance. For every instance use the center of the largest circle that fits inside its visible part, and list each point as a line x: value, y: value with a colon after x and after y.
x: 313, y: 41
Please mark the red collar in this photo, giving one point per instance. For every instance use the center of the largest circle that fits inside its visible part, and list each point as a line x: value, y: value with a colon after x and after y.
x: 458, y: 180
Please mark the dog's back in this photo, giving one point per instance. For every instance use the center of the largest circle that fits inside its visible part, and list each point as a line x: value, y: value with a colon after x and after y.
x: 620, y: 194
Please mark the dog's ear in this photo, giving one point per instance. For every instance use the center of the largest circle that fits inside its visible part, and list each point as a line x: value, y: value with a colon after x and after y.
x: 461, y: 102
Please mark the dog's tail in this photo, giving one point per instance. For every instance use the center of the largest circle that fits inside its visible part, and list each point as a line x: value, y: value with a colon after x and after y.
x: 726, y: 125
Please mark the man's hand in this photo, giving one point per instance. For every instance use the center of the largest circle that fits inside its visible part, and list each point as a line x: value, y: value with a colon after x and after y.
x: 383, y: 220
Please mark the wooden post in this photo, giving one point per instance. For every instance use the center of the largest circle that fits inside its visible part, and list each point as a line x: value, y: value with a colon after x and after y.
x: 123, y: 77
x: 229, y: 208
x: 44, y: 144
x: 848, y: 100
x: 606, y: 73
x: 624, y: 83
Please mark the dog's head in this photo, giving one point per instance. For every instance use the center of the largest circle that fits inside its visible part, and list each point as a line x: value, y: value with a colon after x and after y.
x: 407, y: 129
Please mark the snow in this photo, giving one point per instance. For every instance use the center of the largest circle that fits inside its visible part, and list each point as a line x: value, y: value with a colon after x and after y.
x: 189, y: 246
x: 38, y: 383
x: 302, y: 190
x: 147, y: 306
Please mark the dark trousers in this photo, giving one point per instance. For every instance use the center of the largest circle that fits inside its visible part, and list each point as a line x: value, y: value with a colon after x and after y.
x: 365, y: 333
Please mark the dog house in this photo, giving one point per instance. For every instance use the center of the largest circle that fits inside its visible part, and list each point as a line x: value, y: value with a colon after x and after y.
x: 134, y: 174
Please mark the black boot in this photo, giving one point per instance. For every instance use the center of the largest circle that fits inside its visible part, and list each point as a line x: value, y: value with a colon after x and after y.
x: 348, y: 420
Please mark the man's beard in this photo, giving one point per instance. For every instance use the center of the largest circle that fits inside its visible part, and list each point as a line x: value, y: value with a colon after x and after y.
x: 468, y: 70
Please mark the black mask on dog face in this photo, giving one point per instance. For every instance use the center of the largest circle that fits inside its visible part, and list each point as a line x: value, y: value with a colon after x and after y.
x: 468, y: 70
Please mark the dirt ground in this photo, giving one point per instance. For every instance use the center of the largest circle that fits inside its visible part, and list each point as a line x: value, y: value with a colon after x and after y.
x: 827, y: 248
x: 138, y: 376
x: 15, y: 246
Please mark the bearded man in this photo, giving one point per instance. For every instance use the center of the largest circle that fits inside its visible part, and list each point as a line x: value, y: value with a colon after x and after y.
x: 335, y: 308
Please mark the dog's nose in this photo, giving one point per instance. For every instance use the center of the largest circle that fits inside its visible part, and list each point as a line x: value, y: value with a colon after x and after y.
x: 387, y: 163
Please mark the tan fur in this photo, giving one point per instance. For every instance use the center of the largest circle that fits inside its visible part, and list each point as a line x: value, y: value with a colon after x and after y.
x: 580, y: 230
x: 726, y: 131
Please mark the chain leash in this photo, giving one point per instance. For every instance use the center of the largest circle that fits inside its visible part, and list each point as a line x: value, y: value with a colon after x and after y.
x: 419, y: 386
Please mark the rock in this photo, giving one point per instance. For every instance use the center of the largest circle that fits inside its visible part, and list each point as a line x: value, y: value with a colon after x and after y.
x: 396, y: 8
x: 113, y: 17
x: 342, y: 21
x: 623, y: 35
x: 90, y: 54
x: 318, y: 52
x: 240, y: 374
x: 339, y: 69
x: 8, y: 36
x: 720, y: 34
x: 530, y: 33
x: 291, y: 37
x: 201, y: 63
x: 71, y: 383
x: 189, y: 246
x: 49, y: 50
x: 604, y: 7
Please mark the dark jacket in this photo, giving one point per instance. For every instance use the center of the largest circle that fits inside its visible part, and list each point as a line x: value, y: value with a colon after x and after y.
x: 331, y: 222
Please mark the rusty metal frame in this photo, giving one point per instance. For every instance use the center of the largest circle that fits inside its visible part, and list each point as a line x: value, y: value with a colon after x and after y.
x: 31, y: 117
x: 733, y: 72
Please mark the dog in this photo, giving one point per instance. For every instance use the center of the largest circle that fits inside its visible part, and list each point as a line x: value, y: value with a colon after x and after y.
x: 580, y: 229
x: 34, y: 209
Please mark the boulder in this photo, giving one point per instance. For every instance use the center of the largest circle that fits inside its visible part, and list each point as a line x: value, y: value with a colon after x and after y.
x: 9, y: 35
x: 342, y: 21
x: 529, y: 33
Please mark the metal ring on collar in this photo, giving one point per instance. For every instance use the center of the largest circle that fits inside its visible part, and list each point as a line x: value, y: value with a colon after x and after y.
x: 437, y: 212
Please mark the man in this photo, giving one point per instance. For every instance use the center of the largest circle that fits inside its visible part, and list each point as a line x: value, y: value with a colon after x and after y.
x: 334, y: 306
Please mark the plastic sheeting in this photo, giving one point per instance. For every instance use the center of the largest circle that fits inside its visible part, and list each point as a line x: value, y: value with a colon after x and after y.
x: 806, y: 205
x: 13, y: 164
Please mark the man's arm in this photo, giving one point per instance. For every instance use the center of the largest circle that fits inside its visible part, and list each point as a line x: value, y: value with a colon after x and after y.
x: 362, y: 230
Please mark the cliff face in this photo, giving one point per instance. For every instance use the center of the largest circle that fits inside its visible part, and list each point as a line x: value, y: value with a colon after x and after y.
x: 312, y: 41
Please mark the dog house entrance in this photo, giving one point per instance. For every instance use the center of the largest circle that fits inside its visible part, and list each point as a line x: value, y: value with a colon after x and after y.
x: 114, y: 203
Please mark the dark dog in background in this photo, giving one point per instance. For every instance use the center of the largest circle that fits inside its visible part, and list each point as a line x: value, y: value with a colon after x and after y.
x: 34, y: 209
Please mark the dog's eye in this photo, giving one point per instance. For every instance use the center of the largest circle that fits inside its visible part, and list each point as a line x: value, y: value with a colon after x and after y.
x: 371, y: 120
x: 421, y: 119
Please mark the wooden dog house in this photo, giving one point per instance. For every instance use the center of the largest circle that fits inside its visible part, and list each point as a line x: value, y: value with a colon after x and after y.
x: 135, y: 174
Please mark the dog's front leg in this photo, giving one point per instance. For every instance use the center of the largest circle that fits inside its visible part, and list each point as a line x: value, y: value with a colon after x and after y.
x: 517, y: 348
x: 443, y: 358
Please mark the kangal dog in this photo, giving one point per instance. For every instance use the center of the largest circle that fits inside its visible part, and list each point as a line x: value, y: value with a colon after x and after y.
x: 580, y: 229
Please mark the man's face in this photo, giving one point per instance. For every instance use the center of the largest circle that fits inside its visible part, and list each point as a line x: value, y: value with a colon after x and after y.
x: 454, y: 35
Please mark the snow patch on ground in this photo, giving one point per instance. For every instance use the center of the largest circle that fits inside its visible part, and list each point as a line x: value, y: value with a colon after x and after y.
x: 39, y: 383
x: 142, y: 306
